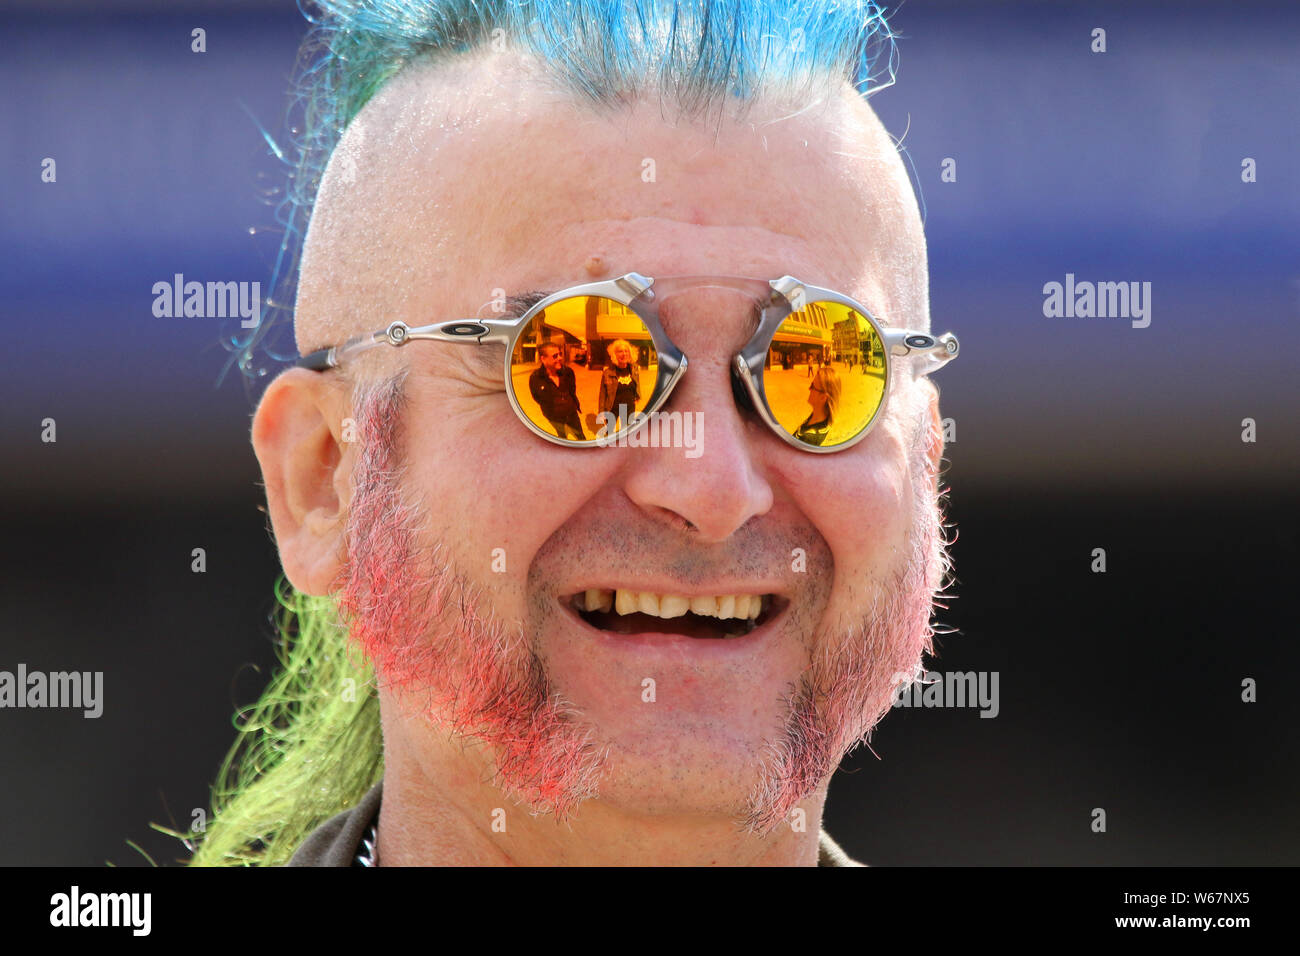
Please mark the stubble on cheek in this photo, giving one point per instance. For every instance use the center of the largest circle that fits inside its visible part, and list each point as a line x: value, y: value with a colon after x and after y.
x: 433, y: 640
x: 850, y: 685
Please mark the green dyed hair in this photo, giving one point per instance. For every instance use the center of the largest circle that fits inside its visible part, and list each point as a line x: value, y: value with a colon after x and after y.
x: 308, y: 749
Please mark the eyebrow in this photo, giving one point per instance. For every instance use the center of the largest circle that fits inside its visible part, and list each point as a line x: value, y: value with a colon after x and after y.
x: 486, y: 361
x: 518, y: 305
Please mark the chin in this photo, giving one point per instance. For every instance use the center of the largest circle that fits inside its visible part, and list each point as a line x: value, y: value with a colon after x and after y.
x: 698, y: 748
x: 686, y: 775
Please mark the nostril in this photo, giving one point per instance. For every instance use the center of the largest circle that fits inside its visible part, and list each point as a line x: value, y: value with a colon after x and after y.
x: 674, y: 520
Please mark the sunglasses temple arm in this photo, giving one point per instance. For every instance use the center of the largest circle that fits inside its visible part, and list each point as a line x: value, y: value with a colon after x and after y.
x: 934, y: 350
x: 456, y: 331
x: 324, y: 359
x: 498, y: 330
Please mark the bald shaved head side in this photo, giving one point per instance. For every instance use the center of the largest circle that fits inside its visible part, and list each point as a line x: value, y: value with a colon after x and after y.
x: 387, y: 238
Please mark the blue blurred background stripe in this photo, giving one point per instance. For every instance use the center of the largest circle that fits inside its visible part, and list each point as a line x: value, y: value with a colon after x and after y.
x: 1122, y: 166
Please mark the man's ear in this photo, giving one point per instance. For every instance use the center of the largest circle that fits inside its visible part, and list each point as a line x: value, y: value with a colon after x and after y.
x: 306, y: 467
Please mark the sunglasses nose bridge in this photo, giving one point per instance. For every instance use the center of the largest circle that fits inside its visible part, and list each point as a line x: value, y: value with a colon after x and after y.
x: 741, y: 384
x: 755, y: 307
x: 744, y: 365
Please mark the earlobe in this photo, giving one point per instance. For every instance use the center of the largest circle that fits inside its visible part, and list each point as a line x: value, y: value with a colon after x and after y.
x: 306, y: 470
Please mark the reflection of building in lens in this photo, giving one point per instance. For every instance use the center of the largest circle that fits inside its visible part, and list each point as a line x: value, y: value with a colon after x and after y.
x: 856, y: 341
x: 587, y: 326
x: 848, y: 340
x: 803, y: 337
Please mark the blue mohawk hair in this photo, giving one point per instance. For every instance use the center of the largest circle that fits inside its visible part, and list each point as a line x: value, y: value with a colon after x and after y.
x: 699, y: 53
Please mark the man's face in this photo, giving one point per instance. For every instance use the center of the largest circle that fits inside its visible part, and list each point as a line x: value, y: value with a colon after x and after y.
x: 443, y: 204
x: 552, y: 360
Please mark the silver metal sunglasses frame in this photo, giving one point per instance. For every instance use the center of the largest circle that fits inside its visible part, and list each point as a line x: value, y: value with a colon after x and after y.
x: 780, y: 297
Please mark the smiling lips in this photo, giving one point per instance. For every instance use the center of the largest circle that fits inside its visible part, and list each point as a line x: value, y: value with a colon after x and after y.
x: 625, y: 611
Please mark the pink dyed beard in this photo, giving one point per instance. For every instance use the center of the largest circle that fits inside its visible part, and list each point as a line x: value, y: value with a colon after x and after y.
x: 420, y: 622
x: 851, y: 683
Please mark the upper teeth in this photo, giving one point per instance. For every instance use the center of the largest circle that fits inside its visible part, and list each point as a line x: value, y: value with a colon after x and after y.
x: 740, y: 606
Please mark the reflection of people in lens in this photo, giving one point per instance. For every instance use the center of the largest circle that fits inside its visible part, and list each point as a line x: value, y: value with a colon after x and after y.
x: 824, y: 398
x: 555, y: 389
x: 620, y: 385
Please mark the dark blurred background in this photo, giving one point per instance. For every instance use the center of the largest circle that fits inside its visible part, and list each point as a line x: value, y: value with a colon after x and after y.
x: 1119, y: 690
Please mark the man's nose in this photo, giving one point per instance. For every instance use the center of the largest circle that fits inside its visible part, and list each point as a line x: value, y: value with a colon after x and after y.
x: 718, y: 485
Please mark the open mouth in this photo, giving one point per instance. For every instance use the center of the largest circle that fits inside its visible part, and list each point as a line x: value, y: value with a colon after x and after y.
x: 716, y: 617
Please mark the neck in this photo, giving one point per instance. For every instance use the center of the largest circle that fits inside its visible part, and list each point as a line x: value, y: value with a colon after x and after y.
x: 439, y: 808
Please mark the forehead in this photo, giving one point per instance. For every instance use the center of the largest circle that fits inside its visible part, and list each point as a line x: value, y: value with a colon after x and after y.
x: 460, y: 183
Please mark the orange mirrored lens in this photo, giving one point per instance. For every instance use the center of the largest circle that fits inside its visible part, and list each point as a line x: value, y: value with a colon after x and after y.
x: 583, y: 366
x: 825, y: 374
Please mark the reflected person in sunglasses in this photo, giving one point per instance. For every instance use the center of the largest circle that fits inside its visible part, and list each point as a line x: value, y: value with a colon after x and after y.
x: 576, y: 654
x: 620, y: 384
x: 555, y: 389
x: 823, y: 397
